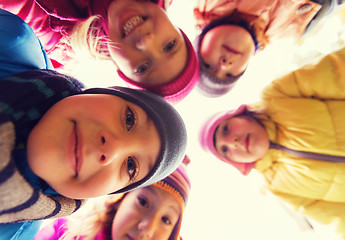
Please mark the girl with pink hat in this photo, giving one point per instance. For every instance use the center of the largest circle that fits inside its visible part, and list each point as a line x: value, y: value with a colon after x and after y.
x: 152, y: 212
x: 148, y: 50
x: 294, y: 137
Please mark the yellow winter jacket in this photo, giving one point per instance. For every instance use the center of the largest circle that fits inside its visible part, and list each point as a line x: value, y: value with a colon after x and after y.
x: 306, y: 112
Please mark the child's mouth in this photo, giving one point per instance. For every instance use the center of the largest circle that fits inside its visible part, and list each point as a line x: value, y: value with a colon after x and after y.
x: 131, y: 23
x: 130, y: 237
x: 247, y: 142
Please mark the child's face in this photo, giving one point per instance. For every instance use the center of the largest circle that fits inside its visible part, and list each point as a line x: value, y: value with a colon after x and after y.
x: 146, y: 213
x: 241, y: 139
x: 93, y: 144
x: 152, y: 50
x: 226, y: 50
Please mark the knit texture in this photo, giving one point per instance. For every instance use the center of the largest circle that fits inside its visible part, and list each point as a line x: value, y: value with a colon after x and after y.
x: 19, y: 201
x: 178, y: 185
x: 24, y: 98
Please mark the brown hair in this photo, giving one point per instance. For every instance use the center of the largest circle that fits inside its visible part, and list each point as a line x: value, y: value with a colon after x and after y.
x: 86, y: 225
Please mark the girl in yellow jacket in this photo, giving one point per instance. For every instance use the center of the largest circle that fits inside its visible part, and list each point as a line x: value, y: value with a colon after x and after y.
x: 233, y: 31
x: 295, y: 137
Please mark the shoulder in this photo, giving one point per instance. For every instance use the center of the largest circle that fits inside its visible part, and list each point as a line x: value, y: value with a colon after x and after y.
x: 12, y: 28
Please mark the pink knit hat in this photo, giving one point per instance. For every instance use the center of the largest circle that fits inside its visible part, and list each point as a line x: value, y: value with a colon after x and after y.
x: 178, y: 88
x: 207, y: 133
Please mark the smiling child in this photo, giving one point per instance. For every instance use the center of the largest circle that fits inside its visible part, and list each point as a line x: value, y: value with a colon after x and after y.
x: 148, y: 50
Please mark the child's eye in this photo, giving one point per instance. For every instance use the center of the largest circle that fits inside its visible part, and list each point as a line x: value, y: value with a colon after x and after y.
x: 169, y: 46
x: 208, y: 66
x: 166, y: 220
x: 132, y: 168
x: 229, y: 75
x: 224, y: 150
x: 142, y: 68
x: 143, y: 202
x: 130, y: 119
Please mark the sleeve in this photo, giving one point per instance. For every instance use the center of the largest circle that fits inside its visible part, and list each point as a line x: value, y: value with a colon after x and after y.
x: 324, y: 212
x: 16, y: 6
x: 66, y: 9
x: 328, y: 8
x: 23, y: 230
x: 324, y: 81
x: 20, y: 48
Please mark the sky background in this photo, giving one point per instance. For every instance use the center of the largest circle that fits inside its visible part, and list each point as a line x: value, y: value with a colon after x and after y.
x: 224, y: 204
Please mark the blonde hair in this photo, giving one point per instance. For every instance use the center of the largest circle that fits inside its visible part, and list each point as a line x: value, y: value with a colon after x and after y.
x: 88, y: 35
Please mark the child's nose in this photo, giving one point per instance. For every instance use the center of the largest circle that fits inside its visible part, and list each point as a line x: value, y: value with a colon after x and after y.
x: 146, y: 227
x: 145, y: 41
x: 233, y: 141
x: 110, y: 147
x: 225, y: 61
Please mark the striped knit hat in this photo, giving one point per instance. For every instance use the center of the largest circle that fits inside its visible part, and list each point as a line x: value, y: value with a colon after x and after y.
x: 178, y: 88
x: 178, y: 185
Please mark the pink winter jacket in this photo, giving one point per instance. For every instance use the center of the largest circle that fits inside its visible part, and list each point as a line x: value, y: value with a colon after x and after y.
x: 54, y: 20
x: 271, y: 18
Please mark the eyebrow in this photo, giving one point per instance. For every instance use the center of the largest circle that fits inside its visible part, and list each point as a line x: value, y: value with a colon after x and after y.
x: 174, y: 208
x: 146, y: 122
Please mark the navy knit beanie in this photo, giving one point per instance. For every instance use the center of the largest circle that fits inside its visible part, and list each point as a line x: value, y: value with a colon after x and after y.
x: 170, y: 127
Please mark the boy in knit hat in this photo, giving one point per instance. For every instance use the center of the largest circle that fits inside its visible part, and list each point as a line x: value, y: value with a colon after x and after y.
x: 153, y: 212
x: 58, y: 146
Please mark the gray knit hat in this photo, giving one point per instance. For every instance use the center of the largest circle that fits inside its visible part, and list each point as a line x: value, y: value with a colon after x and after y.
x: 169, y: 124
